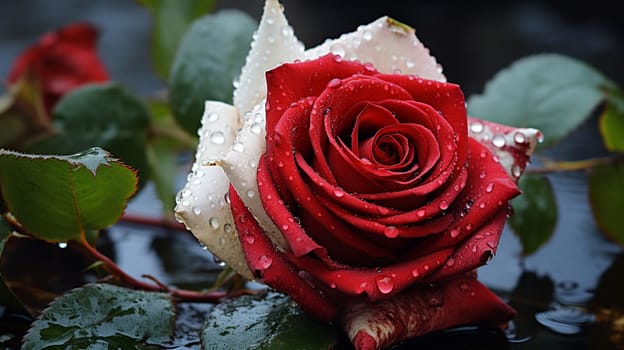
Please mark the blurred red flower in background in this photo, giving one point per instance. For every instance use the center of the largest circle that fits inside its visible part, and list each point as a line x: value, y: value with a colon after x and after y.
x: 61, y: 61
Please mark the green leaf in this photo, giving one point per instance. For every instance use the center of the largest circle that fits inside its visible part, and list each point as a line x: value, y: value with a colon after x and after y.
x: 171, y: 19
x: 606, y: 196
x: 612, y: 122
x: 535, y: 213
x: 550, y: 92
x: 264, y: 321
x: 107, y: 116
x: 59, y: 198
x: 103, y: 316
x: 210, y: 57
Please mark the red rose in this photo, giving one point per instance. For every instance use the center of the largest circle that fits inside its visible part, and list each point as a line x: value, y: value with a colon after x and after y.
x: 377, y: 188
x: 61, y: 61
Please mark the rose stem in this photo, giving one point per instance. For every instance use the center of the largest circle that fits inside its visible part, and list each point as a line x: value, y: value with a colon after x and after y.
x: 153, y: 221
x: 551, y: 166
x: 187, y: 295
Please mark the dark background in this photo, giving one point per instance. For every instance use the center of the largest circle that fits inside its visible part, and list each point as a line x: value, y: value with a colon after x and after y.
x: 471, y: 39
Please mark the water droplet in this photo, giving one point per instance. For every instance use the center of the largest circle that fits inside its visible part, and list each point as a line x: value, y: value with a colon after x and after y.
x: 238, y: 147
x: 284, y: 227
x: 361, y: 288
x: 256, y: 128
x: 214, y: 223
x: 251, y: 194
x: 334, y: 83
x: 421, y: 213
x: 263, y: 262
x: 415, y: 272
x: 482, y: 205
x: 540, y: 137
x: 450, y: 262
x: 203, y: 246
x: 212, y: 117
x: 385, y: 284
x: 62, y: 245
x: 196, y: 210
x: 248, y: 237
x: 455, y: 232
x: 490, y: 187
x: 516, y: 170
x: 443, y: 205
x: 368, y: 35
x: 391, y: 232
x: 217, y: 138
x: 498, y: 141
x: 227, y: 228
x: 483, y: 174
x: 464, y: 287
x: 339, y: 193
x: 476, y: 127
x: 287, y: 30
x: 435, y: 302
x: 519, y: 137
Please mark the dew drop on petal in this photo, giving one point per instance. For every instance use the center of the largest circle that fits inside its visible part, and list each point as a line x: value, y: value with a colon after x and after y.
x: 421, y: 213
x: 476, y: 127
x: 385, y: 284
x: 368, y: 35
x: 213, y: 117
x: 415, y: 272
x: 490, y: 187
x: 540, y: 137
x: 391, y: 232
x: 238, y: 147
x: 196, y: 210
x: 519, y: 137
x: 334, y: 83
x: 498, y: 141
x: 450, y: 262
x: 454, y: 232
x: 338, y: 49
x: 443, y: 205
x: 516, y: 170
x: 62, y: 245
x: 256, y: 128
x: 263, y: 262
x: 214, y: 223
x: 217, y: 138
x: 361, y: 288
x: 248, y: 237
x: 339, y: 193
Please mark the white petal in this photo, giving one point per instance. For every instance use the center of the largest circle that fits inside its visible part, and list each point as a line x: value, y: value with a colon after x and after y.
x: 511, y: 146
x: 392, y: 47
x: 274, y: 43
x: 241, y: 165
x: 202, y: 205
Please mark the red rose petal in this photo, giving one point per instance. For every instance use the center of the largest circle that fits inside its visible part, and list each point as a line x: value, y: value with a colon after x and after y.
x: 272, y: 266
x: 422, y: 310
x: 375, y: 283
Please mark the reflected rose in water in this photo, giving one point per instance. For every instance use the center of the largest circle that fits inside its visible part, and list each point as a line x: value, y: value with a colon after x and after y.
x: 357, y: 183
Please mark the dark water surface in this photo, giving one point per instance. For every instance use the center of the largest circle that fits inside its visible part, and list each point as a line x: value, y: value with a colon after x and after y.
x: 551, y: 289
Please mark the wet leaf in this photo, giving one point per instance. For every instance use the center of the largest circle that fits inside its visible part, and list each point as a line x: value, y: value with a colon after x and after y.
x: 59, y: 198
x: 264, y: 321
x: 535, y: 213
x: 210, y: 57
x: 107, y: 116
x: 606, y: 196
x: 549, y: 92
x: 612, y: 122
x: 171, y: 19
x: 103, y: 316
